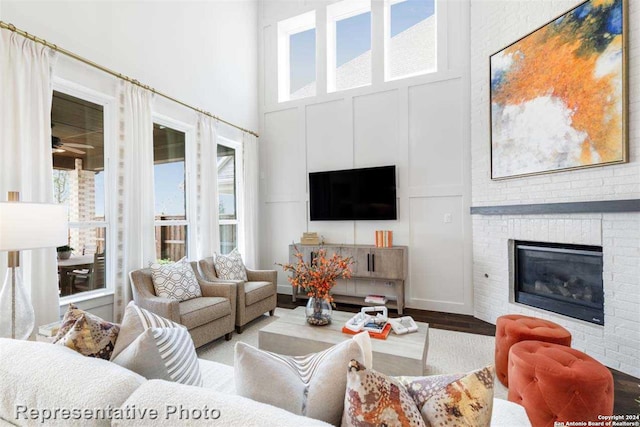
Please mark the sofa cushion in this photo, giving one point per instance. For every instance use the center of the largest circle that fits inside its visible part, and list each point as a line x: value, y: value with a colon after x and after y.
x: 178, y: 405
x: 45, y: 376
x: 134, y: 322
x: 230, y: 266
x: 311, y: 385
x: 175, y: 281
x: 257, y: 291
x: 87, y: 334
x: 200, y: 311
x: 217, y: 376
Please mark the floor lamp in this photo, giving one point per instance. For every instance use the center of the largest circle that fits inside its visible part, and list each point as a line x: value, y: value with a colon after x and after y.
x: 25, y: 226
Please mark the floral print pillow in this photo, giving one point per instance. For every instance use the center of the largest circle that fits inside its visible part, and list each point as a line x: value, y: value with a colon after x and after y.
x: 87, y: 334
x: 375, y: 399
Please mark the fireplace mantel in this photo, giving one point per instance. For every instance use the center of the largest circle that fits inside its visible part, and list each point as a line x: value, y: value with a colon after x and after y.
x: 601, y: 206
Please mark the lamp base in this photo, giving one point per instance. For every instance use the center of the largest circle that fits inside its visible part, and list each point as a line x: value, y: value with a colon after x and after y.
x: 17, y: 317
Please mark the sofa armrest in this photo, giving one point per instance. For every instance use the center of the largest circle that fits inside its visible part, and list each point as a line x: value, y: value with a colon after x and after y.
x: 262, y: 276
x: 164, y: 307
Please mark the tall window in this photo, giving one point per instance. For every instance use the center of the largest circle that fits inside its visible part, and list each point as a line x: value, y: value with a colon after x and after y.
x: 229, y: 161
x: 78, y: 150
x: 297, y: 57
x: 348, y: 45
x: 170, y: 193
x: 410, y: 38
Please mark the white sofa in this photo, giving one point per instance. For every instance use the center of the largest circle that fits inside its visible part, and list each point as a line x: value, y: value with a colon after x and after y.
x: 38, y: 379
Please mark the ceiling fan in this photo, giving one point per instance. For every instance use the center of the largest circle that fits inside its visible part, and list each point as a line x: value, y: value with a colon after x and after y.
x: 59, y: 146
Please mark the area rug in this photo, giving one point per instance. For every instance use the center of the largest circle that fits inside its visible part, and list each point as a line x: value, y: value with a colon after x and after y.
x: 448, y: 352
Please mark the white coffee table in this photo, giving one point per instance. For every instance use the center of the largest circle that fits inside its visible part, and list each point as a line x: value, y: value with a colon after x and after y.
x: 397, y: 355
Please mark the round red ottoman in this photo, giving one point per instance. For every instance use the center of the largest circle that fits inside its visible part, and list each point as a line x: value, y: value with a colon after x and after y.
x: 558, y: 383
x: 514, y: 328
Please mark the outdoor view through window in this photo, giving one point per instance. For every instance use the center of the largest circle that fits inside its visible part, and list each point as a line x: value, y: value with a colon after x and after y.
x: 411, y: 41
x: 77, y: 146
x: 169, y: 193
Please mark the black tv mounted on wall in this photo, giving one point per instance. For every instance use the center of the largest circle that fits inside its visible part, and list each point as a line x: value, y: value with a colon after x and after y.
x: 353, y: 194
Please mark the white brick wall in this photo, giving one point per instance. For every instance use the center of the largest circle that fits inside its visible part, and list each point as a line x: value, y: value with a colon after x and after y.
x: 494, y: 25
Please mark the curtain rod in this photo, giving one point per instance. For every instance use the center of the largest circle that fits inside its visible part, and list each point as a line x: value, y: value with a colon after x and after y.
x: 57, y: 48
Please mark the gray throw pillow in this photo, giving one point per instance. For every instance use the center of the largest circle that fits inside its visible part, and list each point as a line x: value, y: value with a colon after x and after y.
x: 313, y: 385
x: 156, y: 348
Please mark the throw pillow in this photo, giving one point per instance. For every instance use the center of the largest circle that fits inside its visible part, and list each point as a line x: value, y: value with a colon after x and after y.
x: 156, y: 348
x: 375, y: 399
x: 87, y: 334
x: 454, y: 400
x: 311, y: 385
x: 175, y: 281
x: 230, y: 266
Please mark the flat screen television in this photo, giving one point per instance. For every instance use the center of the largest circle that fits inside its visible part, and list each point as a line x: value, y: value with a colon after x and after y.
x: 353, y: 194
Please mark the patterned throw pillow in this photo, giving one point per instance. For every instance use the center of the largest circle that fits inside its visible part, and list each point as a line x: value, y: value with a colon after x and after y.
x: 454, y: 400
x: 375, y: 399
x: 311, y: 385
x: 230, y: 266
x: 156, y: 348
x: 87, y: 334
x: 175, y: 281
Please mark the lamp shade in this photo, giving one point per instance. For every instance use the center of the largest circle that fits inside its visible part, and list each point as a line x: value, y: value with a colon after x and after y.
x: 32, y: 226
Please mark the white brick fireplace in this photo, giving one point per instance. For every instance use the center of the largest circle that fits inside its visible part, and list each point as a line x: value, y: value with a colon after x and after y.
x: 494, y: 25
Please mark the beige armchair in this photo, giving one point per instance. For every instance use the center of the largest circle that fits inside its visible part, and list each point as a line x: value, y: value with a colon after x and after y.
x: 255, y: 297
x: 207, y: 318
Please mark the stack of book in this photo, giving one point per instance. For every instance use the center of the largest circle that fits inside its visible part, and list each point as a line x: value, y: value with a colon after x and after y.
x: 384, y: 238
x: 375, y: 299
x: 310, y: 239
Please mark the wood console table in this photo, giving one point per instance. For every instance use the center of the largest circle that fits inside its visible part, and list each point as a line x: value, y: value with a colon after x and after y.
x: 378, y: 271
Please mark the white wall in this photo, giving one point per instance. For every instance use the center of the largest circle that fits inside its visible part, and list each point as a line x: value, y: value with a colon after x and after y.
x: 419, y: 124
x: 494, y: 25
x: 203, y: 53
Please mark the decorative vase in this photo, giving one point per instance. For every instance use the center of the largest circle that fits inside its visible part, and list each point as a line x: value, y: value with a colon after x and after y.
x: 64, y: 255
x: 318, y: 311
x: 17, y: 317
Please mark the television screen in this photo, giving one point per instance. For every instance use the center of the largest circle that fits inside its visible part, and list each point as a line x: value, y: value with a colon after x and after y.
x: 354, y: 194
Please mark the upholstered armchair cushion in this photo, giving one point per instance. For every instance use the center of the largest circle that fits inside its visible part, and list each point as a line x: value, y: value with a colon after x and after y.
x: 255, y: 297
x: 199, y: 311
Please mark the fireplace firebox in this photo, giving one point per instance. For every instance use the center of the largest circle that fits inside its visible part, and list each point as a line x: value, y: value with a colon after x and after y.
x: 562, y: 278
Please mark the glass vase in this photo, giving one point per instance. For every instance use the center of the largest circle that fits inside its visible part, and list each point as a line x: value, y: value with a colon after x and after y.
x: 318, y: 311
x: 14, y: 300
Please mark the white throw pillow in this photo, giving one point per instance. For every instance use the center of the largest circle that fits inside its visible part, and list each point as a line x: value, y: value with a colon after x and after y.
x: 313, y: 385
x: 156, y: 348
x: 175, y: 281
x: 230, y: 266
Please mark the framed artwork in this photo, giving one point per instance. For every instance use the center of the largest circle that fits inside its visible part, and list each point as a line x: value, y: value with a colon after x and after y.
x: 558, y: 95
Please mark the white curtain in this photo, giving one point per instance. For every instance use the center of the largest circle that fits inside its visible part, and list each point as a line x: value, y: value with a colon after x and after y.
x: 136, y: 230
x: 207, y: 214
x: 251, y: 190
x: 26, y: 163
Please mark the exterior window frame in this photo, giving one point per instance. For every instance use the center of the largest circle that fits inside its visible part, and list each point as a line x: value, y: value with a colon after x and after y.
x: 287, y: 28
x: 189, y: 173
x: 337, y: 12
x: 110, y: 209
x: 239, y: 168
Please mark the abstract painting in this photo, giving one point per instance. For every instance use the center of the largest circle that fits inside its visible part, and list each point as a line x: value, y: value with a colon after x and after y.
x: 558, y: 95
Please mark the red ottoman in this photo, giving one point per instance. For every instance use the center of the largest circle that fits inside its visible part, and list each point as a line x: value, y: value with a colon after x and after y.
x: 558, y: 383
x: 514, y: 328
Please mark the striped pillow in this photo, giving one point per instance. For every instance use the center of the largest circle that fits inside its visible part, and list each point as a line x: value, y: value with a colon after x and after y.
x: 169, y: 352
x: 311, y: 385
